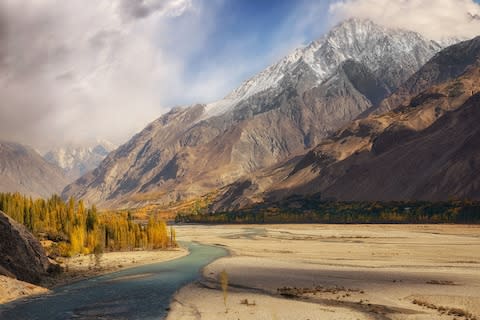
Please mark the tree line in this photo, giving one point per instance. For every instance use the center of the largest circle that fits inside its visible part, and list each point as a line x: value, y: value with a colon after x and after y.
x: 75, y: 228
x: 314, y: 210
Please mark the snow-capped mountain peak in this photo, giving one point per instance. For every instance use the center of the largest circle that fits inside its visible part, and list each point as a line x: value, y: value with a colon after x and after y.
x: 281, y: 112
x: 76, y: 160
x: 362, y: 40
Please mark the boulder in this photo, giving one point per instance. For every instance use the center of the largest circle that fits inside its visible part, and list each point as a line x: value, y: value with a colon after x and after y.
x: 21, y: 254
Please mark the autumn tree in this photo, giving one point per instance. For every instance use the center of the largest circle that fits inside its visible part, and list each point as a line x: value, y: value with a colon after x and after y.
x: 75, y: 229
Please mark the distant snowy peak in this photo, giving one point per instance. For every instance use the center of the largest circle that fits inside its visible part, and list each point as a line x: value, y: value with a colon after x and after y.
x: 77, y: 160
x: 450, y: 41
x: 362, y: 40
x: 106, y: 145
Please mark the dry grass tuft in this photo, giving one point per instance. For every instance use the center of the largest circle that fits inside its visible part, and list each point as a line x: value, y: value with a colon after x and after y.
x: 294, y: 292
x: 441, y: 282
x: 457, y: 312
x: 248, y: 303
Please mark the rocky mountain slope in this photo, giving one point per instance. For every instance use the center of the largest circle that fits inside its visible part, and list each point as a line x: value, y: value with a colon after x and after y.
x: 279, y: 113
x: 21, y: 254
x: 450, y: 64
x: 78, y: 160
x: 23, y: 170
x: 438, y: 163
x: 426, y: 148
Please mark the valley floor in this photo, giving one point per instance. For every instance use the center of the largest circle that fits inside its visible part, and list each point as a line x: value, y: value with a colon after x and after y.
x: 336, y: 272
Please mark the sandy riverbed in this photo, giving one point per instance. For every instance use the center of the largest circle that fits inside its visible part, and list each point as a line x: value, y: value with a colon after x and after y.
x: 339, y: 272
x: 86, y: 266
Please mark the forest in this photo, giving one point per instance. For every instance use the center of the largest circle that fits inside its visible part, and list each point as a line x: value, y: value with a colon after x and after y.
x: 74, y: 228
x: 313, y: 210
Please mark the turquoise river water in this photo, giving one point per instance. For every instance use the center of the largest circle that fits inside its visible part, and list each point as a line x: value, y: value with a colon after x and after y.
x: 142, y: 292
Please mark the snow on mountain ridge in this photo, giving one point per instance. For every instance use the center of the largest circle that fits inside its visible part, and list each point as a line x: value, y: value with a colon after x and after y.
x: 280, y: 113
x: 357, y: 39
x: 76, y: 160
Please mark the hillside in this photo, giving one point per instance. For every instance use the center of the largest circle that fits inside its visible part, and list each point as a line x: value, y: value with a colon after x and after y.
x: 425, y: 149
x: 280, y: 113
x: 23, y: 170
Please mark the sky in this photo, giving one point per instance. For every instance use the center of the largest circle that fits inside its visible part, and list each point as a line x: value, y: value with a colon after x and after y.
x: 77, y: 71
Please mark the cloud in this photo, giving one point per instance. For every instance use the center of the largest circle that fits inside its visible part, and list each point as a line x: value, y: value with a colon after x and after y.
x: 72, y: 72
x: 435, y: 19
x: 144, y: 8
x: 76, y: 72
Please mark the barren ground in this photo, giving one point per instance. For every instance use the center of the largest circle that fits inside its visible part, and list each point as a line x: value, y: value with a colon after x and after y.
x: 337, y: 272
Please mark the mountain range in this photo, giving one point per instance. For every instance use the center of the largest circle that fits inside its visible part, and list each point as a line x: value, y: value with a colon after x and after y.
x: 363, y: 113
x: 23, y: 170
x: 427, y: 148
x: 76, y: 160
x: 279, y: 114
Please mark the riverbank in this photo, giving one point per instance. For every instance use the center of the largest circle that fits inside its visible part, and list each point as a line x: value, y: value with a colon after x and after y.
x: 12, y: 289
x: 141, y: 292
x: 86, y: 266
x: 337, y: 272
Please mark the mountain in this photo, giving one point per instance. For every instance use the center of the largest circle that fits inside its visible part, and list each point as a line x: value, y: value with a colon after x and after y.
x: 23, y: 170
x: 428, y: 148
x: 283, y: 111
x: 78, y: 160
x: 452, y: 62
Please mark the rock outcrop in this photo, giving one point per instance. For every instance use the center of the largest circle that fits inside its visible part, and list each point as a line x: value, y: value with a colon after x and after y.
x: 21, y: 254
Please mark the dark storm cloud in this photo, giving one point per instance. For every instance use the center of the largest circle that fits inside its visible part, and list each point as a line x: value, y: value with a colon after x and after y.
x: 136, y: 9
x: 139, y: 9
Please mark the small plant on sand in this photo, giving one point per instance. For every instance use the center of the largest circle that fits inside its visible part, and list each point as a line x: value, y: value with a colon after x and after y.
x: 248, y: 303
x: 456, y: 312
x: 98, y: 251
x: 224, y: 284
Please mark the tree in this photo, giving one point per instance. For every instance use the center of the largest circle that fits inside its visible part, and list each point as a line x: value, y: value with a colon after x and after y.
x: 79, y: 229
x: 77, y: 240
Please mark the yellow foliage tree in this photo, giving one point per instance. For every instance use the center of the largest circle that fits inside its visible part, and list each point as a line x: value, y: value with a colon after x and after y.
x: 77, y: 240
x: 78, y: 229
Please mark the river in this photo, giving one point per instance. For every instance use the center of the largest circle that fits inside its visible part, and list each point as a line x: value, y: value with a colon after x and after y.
x: 142, y: 292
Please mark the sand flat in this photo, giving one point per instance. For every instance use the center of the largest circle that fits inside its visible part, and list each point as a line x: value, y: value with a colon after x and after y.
x: 12, y: 289
x: 344, y: 272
